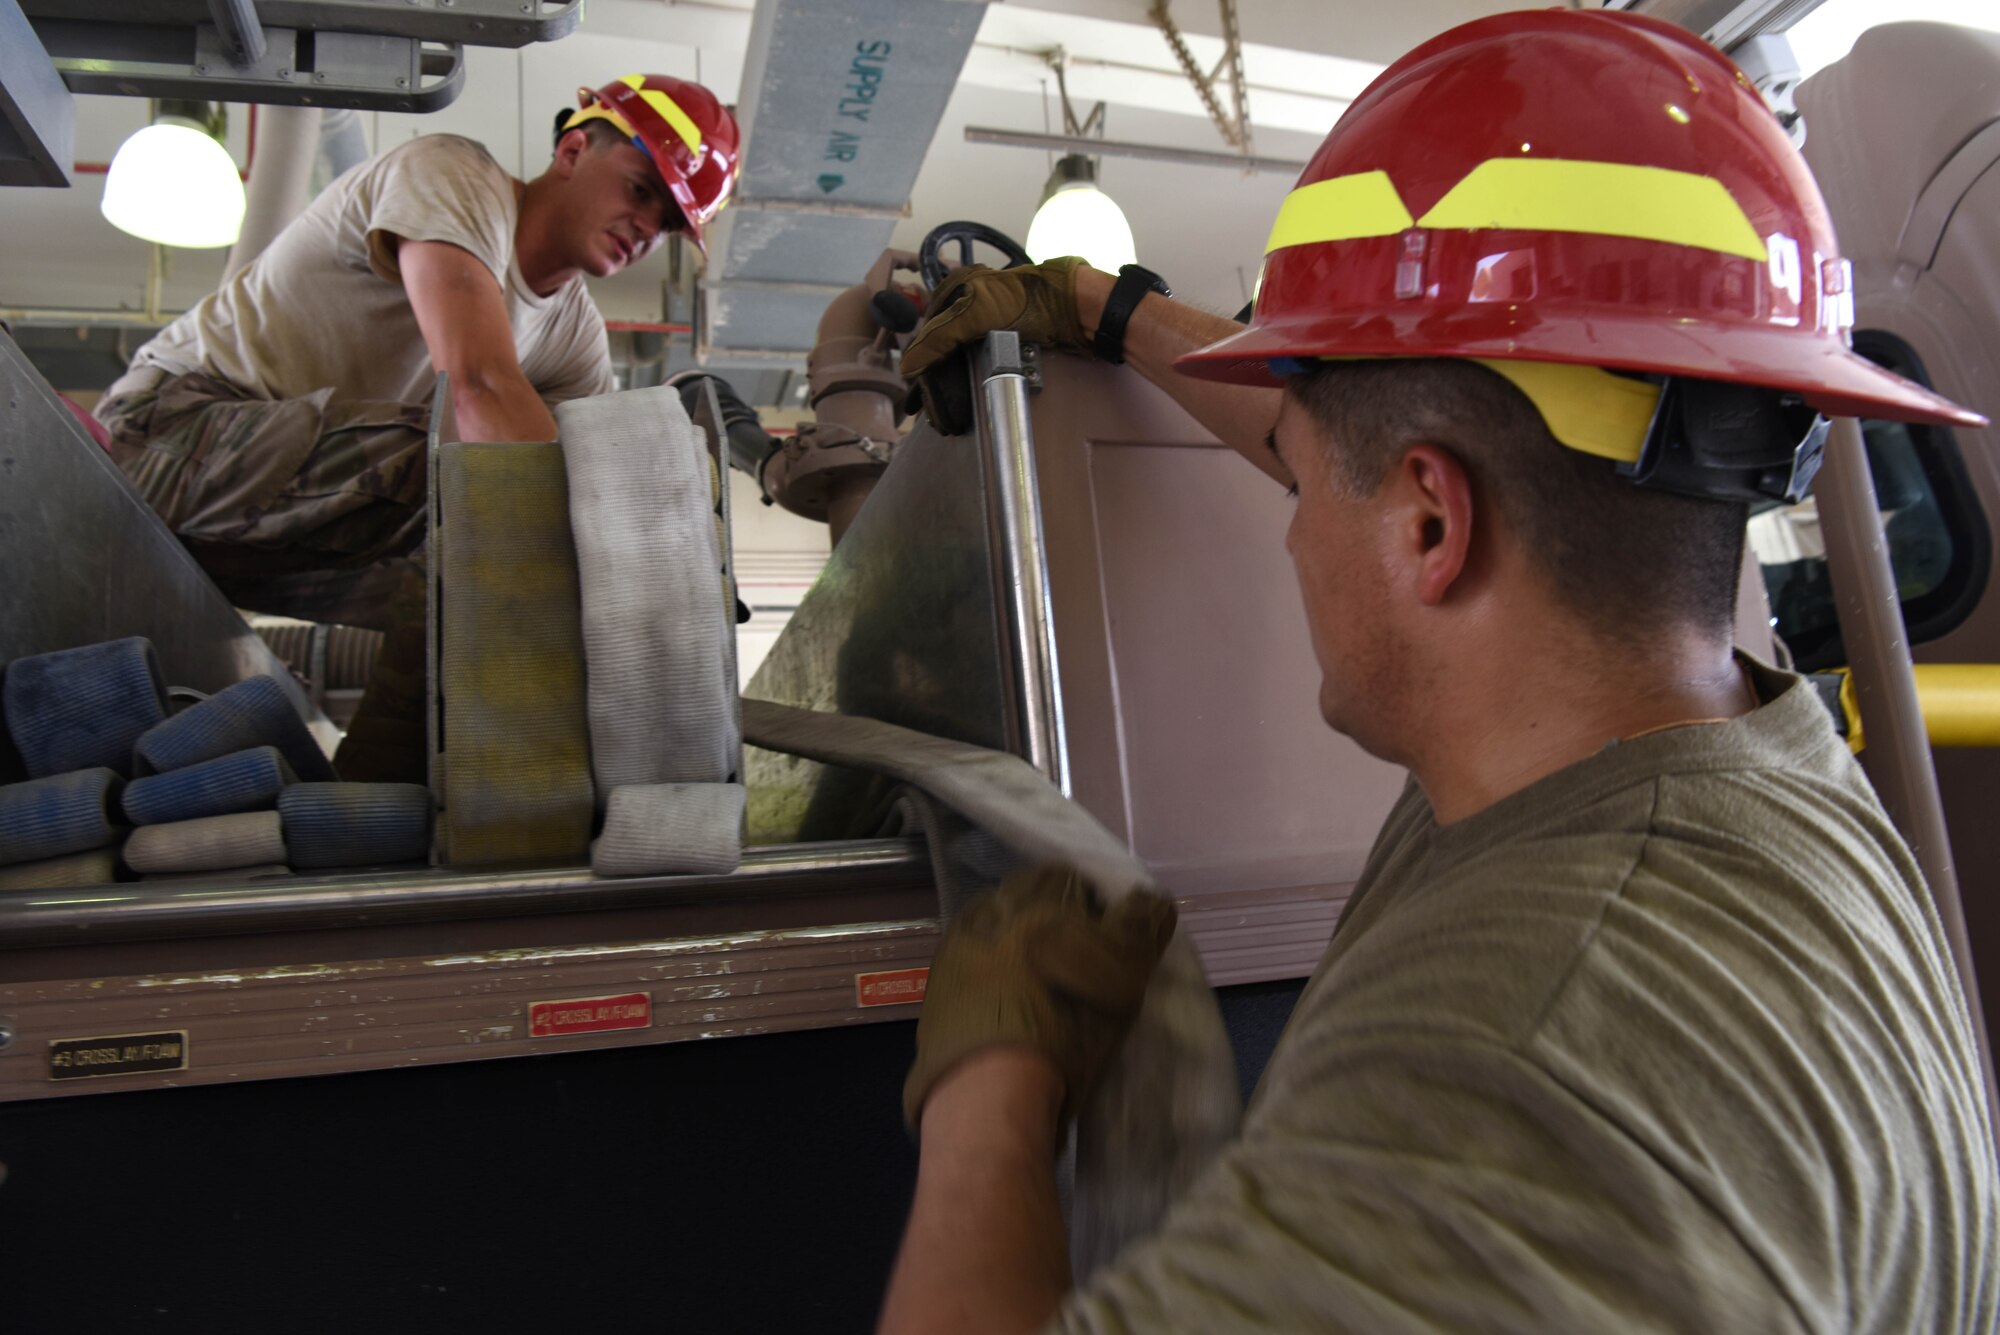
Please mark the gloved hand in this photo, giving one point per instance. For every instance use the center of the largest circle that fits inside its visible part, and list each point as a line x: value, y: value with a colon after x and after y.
x: 1040, y: 963
x: 1037, y: 300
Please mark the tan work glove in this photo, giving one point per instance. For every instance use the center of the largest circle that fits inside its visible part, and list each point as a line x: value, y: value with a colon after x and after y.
x: 1039, y: 963
x: 1037, y: 300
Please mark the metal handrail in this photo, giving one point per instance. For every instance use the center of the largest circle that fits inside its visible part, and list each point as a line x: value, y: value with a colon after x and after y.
x: 149, y: 910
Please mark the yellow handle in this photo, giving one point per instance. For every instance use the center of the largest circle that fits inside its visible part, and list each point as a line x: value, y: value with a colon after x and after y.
x: 1961, y: 703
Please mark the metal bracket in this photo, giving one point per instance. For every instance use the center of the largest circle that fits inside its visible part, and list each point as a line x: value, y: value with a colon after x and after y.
x: 37, y: 115
x: 299, y: 67
x: 504, y: 23
x: 1031, y: 366
x: 242, y: 30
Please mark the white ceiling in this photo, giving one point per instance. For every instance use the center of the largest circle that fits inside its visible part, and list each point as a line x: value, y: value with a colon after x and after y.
x: 1202, y: 227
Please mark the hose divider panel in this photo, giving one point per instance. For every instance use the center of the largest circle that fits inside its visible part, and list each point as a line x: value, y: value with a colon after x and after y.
x: 515, y: 772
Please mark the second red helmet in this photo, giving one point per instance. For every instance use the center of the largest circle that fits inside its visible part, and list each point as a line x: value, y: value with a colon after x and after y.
x: 1578, y: 186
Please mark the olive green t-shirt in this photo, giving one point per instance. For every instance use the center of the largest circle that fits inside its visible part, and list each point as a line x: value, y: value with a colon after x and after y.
x: 1669, y: 1041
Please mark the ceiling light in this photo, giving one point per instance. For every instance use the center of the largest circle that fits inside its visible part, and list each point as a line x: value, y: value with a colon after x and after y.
x: 173, y: 182
x: 1076, y: 218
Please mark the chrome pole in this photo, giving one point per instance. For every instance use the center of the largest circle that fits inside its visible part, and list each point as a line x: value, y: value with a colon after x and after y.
x: 1007, y: 443
x: 1898, y: 754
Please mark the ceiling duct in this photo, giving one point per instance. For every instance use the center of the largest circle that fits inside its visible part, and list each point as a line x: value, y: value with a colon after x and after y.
x: 841, y: 99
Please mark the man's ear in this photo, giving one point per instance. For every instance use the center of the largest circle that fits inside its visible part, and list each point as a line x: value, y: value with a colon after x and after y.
x: 1435, y: 527
x: 569, y: 148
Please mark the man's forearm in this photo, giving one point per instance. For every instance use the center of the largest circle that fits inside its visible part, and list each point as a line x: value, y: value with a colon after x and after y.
x: 1160, y: 330
x: 985, y: 1251
x: 503, y: 408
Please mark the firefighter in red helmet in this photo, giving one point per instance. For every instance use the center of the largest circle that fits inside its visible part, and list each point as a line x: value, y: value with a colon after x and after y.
x: 1640, y: 1016
x: 279, y: 426
x: 691, y: 139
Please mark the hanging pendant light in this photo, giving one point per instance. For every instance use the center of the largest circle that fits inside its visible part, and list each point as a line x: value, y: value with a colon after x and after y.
x: 1076, y: 218
x: 174, y: 183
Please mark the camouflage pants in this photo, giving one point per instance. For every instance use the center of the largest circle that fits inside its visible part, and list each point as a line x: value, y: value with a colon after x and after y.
x: 310, y: 507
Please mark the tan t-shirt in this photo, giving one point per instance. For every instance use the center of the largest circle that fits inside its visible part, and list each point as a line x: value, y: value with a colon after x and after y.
x: 324, y: 306
x: 1668, y: 1041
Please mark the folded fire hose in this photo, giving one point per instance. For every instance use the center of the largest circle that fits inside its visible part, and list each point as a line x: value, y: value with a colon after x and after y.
x: 251, y: 713
x: 59, y: 815
x: 69, y: 872
x: 213, y: 843
x: 658, y: 636
x: 351, y: 824
x: 516, y: 765
x: 1169, y: 1102
x: 671, y: 828
x: 240, y: 781
x: 83, y: 708
x: 656, y: 630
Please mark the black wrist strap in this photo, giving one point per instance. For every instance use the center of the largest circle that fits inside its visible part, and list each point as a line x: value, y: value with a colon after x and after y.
x: 1134, y: 282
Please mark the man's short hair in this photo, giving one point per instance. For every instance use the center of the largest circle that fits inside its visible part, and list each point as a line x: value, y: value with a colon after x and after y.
x: 1627, y: 560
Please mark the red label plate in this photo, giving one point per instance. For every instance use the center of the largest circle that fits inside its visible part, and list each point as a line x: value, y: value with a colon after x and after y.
x: 897, y: 987
x: 590, y: 1015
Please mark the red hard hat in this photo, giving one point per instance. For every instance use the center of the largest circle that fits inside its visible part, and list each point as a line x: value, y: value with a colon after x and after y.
x: 1583, y: 186
x: 691, y: 137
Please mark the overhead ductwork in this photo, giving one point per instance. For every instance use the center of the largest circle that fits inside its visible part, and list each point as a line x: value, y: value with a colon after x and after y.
x: 841, y: 99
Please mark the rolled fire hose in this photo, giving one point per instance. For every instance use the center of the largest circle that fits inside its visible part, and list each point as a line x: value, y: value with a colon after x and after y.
x: 254, y: 712
x: 516, y: 783
x: 83, y: 708
x: 658, y: 636
x: 1169, y: 1102
x: 657, y: 631
x: 58, y: 815
x: 71, y: 871
x: 241, y: 781
x: 355, y: 824
x: 670, y: 828
x: 213, y: 843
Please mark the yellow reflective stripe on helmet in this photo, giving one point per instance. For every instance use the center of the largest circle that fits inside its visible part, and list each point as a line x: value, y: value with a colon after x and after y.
x: 1586, y: 408
x: 689, y: 132
x: 1604, y: 198
x: 1340, y: 209
x: 597, y: 111
x: 669, y: 110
